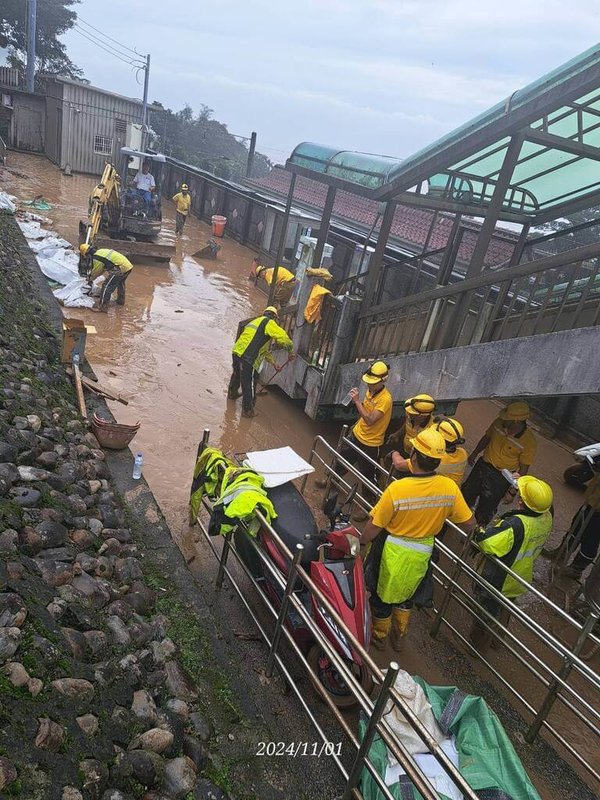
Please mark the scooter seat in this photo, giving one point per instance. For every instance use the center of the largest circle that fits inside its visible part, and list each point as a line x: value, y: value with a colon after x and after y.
x: 294, y: 520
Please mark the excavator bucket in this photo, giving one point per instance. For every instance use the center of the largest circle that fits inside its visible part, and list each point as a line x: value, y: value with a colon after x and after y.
x: 209, y: 251
x: 159, y: 251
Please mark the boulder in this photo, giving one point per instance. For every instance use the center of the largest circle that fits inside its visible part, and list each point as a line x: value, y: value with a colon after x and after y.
x: 180, y: 777
x: 9, y: 475
x: 179, y: 683
x: 156, y: 740
x: 8, y: 772
x: 88, y: 724
x: 9, y: 643
x: 144, y: 707
x: 50, y: 735
x: 77, y: 689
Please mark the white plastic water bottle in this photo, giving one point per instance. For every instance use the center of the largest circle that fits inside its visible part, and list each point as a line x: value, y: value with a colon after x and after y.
x: 137, y: 466
x: 347, y: 400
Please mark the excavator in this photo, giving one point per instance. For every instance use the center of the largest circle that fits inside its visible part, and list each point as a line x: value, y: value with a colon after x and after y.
x: 119, y: 211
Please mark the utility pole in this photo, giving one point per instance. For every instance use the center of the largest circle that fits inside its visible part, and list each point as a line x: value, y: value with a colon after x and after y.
x: 145, y: 103
x: 251, y: 152
x: 31, y: 26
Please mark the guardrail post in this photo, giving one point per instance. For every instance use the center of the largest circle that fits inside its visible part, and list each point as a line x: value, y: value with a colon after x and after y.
x: 452, y: 579
x: 285, y: 601
x: 223, y: 559
x: 384, y: 694
x: 554, y: 686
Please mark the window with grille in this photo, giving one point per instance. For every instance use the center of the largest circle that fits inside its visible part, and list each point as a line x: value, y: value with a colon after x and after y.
x: 103, y: 145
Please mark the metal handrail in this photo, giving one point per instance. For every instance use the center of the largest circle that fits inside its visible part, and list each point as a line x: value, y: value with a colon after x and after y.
x: 555, y: 683
x: 373, y: 710
x: 489, y: 278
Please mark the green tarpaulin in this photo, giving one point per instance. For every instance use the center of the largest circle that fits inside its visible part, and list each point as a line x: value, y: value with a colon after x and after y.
x: 487, y: 759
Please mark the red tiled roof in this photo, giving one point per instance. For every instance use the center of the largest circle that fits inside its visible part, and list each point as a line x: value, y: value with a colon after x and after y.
x: 410, y: 224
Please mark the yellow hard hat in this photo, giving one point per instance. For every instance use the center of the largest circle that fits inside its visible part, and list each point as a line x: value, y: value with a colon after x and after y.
x: 270, y: 310
x: 515, y: 412
x: 378, y: 371
x: 184, y: 187
x: 451, y: 430
x: 84, y: 248
x: 535, y: 493
x: 429, y: 442
x: 419, y: 404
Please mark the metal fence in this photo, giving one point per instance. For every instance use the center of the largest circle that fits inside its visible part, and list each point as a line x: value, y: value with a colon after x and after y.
x: 557, y: 293
x: 372, y: 710
x: 562, y: 692
x: 2, y: 151
x: 323, y: 333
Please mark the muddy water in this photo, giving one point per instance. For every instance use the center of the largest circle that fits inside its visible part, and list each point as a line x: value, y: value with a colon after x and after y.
x: 169, y: 352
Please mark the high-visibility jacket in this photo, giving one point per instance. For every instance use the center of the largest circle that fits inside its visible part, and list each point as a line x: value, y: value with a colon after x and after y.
x: 255, y: 339
x: 106, y: 259
x: 242, y: 494
x: 209, y: 470
x: 412, y: 511
x: 516, y: 540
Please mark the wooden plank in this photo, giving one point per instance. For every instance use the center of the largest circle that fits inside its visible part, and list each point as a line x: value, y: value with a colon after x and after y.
x: 79, y: 391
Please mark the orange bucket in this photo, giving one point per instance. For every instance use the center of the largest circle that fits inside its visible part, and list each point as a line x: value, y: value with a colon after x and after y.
x: 218, y: 225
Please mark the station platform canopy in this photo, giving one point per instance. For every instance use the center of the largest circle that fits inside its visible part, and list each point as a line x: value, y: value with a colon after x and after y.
x: 535, y: 155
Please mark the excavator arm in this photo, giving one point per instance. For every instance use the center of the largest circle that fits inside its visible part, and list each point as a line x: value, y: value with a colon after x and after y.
x: 104, y: 200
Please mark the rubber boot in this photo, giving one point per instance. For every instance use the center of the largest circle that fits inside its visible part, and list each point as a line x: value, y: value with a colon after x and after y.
x: 380, y: 632
x: 400, y: 618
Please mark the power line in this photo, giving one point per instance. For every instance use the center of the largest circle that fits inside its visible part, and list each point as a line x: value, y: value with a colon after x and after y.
x: 106, y: 36
x: 107, y: 48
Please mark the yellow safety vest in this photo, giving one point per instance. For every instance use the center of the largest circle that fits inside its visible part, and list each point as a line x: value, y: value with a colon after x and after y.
x: 516, y: 540
x: 253, y: 343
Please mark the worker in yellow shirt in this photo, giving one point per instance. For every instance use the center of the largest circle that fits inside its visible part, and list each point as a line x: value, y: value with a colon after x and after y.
x: 251, y: 348
x: 455, y: 459
x: 403, y: 525
x: 286, y: 281
x: 507, y: 444
x: 183, y: 202
x: 418, y: 411
x: 368, y: 434
x: 98, y: 261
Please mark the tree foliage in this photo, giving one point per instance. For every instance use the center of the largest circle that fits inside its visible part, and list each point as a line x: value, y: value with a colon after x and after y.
x: 54, y: 17
x: 203, y: 142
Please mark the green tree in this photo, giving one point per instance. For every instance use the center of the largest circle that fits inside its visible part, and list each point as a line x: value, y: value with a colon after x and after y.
x: 54, y: 17
x: 204, y: 142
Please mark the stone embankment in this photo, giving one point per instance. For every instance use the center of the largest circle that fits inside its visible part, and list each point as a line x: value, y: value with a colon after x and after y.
x: 96, y: 702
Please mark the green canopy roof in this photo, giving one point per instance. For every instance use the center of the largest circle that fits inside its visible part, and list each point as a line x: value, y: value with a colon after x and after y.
x: 555, y: 121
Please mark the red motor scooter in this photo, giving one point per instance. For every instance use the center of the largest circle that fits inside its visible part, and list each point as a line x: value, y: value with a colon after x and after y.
x: 332, y: 559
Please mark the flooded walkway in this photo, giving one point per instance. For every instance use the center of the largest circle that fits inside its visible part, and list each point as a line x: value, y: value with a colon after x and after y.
x: 168, y: 351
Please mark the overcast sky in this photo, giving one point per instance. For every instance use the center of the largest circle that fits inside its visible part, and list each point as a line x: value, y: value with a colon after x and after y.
x: 382, y: 76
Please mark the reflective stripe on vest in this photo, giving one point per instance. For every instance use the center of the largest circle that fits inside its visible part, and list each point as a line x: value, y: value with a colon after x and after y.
x: 411, y: 544
x: 433, y: 501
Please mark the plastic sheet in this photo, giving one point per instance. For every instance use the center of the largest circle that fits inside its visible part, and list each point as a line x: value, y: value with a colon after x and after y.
x: 6, y: 202
x: 278, y: 466
x: 72, y: 294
